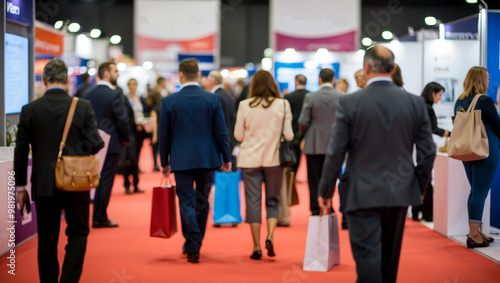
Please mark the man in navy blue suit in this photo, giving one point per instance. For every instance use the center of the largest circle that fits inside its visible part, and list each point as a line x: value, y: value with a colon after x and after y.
x: 193, y: 144
x: 112, y: 118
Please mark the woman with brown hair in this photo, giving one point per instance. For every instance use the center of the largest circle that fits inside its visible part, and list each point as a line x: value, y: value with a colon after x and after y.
x: 480, y: 173
x: 258, y: 128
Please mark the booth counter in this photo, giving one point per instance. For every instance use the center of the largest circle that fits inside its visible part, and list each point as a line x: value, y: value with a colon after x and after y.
x: 451, y: 191
x: 14, y: 228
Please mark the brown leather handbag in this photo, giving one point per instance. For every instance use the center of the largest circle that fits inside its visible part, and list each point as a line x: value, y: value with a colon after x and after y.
x: 75, y: 173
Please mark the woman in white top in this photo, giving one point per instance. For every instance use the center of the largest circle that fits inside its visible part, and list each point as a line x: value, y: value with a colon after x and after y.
x: 258, y: 128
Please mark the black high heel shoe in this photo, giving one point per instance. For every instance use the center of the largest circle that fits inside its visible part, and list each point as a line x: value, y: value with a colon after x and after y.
x: 256, y: 254
x: 473, y: 244
x: 270, y: 248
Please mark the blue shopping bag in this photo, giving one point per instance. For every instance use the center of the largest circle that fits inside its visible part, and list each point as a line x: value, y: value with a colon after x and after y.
x: 227, y: 198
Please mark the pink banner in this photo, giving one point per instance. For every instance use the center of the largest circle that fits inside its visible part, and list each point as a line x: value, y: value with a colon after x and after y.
x: 342, y: 42
x: 200, y: 44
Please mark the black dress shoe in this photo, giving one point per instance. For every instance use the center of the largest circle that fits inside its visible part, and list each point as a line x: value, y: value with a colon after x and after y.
x: 193, y: 257
x: 256, y: 254
x: 473, y: 244
x: 106, y: 224
x: 138, y: 190
x: 127, y: 191
x: 270, y: 248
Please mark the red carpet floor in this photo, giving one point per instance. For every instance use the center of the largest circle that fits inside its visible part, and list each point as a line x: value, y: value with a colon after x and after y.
x: 128, y: 254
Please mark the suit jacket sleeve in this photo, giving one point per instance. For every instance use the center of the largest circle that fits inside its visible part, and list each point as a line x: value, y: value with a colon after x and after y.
x: 305, y: 115
x: 433, y: 119
x: 220, y: 132
x: 239, y: 127
x: 287, y: 130
x: 22, y: 149
x: 164, y: 142
x: 336, y: 151
x: 121, y: 117
x: 426, y: 150
x: 91, y: 131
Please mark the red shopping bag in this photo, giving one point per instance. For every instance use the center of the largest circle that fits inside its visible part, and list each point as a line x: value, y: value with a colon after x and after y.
x: 163, y: 212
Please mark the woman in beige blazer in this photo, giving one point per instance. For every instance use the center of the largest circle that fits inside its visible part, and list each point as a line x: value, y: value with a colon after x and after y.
x: 258, y: 128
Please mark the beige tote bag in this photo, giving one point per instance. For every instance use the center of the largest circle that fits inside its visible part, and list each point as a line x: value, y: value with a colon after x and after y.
x: 468, y: 141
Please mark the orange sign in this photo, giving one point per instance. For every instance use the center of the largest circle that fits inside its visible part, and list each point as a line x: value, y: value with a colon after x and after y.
x: 48, y: 41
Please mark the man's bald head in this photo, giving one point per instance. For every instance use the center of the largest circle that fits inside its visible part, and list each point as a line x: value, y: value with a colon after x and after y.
x: 380, y: 59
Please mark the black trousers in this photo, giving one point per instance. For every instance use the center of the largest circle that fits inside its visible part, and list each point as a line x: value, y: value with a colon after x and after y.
x: 427, y: 207
x: 314, y: 168
x: 298, y: 154
x: 193, y: 205
x: 48, y: 210
x: 376, y: 235
x: 103, y: 191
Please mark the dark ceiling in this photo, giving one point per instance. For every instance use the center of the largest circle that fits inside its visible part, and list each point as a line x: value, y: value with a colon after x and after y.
x: 116, y: 17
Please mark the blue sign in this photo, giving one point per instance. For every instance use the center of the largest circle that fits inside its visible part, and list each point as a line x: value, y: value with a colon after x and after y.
x: 20, y: 11
x: 285, y: 74
x: 462, y: 29
x: 493, y: 54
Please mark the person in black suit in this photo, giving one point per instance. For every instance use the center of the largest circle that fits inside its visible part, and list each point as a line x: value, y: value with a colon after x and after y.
x: 112, y: 118
x: 193, y: 144
x: 215, y: 86
x: 296, y: 100
x: 41, y: 125
x: 431, y: 94
x: 84, y: 86
x: 380, y: 179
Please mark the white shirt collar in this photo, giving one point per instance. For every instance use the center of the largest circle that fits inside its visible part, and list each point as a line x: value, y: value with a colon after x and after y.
x: 189, y: 84
x: 378, y: 79
x: 326, y: 85
x: 108, y: 84
x: 216, y: 88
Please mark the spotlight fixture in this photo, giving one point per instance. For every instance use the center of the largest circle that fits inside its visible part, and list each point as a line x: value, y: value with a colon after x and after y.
x: 115, y: 39
x: 95, y: 33
x: 387, y: 35
x: 471, y: 1
x: 59, y: 24
x: 74, y: 27
x: 366, y: 41
x: 430, y: 21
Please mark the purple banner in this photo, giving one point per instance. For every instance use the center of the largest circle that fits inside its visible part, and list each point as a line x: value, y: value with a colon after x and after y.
x: 342, y: 42
x: 466, y: 28
x: 20, y: 11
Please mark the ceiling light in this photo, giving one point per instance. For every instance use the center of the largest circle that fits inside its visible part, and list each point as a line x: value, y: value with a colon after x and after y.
x: 115, y: 39
x: 224, y: 73
x: 471, y: 1
x: 268, y: 52
x: 74, y: 27
x: 148, y: 65
x: 267, y: 64
x: 366, y: 41
x: 95, y: 33
x: 92, y: 71
x: 430, y: 21
x: 58, y: 24
x: 387, y: 35
x: 121, y: 66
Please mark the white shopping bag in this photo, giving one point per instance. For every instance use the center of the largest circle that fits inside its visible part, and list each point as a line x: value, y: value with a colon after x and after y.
x: 322, y: 245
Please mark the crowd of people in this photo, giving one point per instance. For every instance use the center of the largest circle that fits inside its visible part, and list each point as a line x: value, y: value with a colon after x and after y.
x: 344, y: 137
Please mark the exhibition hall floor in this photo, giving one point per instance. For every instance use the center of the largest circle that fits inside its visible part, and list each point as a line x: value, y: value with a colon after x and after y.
x: 128, y: 254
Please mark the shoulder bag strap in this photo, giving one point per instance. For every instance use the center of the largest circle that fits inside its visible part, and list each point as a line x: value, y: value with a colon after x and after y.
x: 284, y: 116
x: 472, y: 106
x: 69, y: 119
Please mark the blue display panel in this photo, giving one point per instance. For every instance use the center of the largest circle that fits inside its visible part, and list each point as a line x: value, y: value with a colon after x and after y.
x: 285, y: 74
x: 21, y: 11
x: 16, y: 73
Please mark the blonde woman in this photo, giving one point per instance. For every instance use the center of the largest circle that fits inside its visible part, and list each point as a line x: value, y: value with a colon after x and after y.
x: 258, y: 128
x: 480, y: 173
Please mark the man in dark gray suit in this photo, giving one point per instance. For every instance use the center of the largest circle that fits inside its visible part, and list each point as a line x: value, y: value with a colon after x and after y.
x: 315, y: 123
x: 378, y: 127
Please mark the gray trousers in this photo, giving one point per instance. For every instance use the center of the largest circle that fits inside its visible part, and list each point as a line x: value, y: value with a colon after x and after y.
x: 253, y: 178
